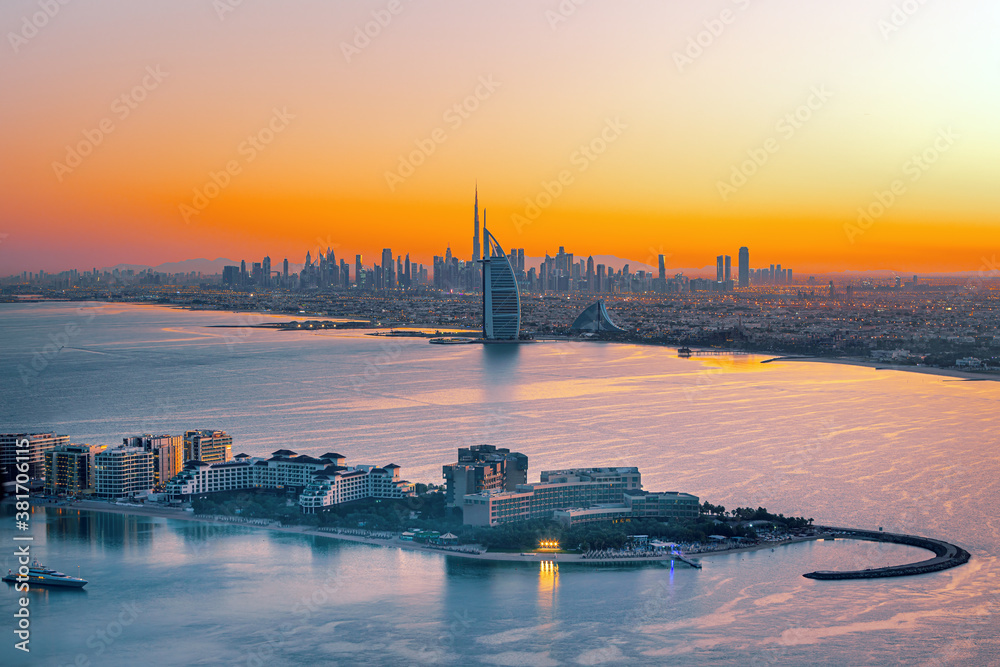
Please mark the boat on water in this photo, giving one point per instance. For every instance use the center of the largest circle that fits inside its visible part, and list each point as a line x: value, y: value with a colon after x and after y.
x: 452, y: 340
x: 39, y: 575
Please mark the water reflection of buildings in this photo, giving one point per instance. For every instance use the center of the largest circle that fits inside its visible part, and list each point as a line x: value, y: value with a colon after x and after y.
x: 99, y: 529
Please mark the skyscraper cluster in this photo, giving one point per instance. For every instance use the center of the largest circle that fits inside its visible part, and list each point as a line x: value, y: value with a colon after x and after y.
x: 394, y: 272
x: 747, y: 276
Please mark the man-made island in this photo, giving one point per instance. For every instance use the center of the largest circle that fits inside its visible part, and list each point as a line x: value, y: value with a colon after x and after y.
x: 486, y: 509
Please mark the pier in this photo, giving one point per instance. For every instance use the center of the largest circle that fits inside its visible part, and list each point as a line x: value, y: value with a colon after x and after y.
x: 946, y: 555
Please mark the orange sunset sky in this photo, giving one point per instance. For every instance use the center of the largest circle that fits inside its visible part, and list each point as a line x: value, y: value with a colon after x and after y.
x: 687, y: 128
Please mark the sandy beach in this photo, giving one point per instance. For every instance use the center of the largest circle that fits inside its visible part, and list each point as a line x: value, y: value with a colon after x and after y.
x: 883, y: 366
x: 169, y: 513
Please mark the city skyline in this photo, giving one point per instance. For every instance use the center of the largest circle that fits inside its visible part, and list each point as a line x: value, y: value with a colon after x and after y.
x: 558, y: 274
x: 674, y: 138
x: 736, y: 299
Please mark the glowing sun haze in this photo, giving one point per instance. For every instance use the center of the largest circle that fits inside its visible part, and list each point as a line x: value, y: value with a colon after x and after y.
x: 695, y: 127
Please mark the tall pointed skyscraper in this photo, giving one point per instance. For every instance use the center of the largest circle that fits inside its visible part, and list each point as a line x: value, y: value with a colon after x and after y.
x: 476, y: 255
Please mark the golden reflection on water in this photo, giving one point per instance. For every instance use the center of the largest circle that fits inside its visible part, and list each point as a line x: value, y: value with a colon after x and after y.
x: 548, y: 582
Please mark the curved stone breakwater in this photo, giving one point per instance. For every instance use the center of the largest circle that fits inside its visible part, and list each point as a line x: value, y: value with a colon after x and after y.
x: 945, y: 555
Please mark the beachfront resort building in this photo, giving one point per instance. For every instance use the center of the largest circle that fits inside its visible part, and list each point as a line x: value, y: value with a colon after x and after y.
x: 483, y: 468
x: 663, y: 505
x: 319, y: 481
x: 167, y: 450
x: 27, y: 448
x: 339, y: 484
x: 284, y: 469
x: 578, y: 495
x: 123, y: 472
x: 208, y: 446
x: 69, y: 469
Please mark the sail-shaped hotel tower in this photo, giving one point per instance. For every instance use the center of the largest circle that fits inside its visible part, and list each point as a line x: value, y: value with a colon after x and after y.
x: 501, y: 299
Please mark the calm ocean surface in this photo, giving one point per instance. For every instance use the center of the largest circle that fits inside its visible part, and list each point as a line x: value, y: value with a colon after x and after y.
x: 844, y: 445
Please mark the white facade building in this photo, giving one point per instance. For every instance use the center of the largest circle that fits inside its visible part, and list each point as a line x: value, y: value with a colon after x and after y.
x: 336, y: 485
x: 285, y: 468
x: 325, y: 480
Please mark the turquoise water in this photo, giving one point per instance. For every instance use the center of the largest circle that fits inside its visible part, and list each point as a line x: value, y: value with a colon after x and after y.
x: 844, y: 445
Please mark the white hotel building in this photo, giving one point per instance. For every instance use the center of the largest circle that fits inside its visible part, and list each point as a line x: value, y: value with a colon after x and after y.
x: 325, y: 480
x: 285, y: 468
x: 337, y: 485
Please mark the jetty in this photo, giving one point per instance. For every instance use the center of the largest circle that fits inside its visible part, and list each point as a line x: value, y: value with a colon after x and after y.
x: 946, y: 555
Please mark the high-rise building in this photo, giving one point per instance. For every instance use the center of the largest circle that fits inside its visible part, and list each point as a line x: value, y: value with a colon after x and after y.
x: 662, y: 275
x: 476, y: 254
x: 387, y: 282
x: 231, y: 275
x: 501, y: 298
x: 266, y: 265
x: 29, y: 448
x: 719, y: 268
x: 123, y: 472
x: 728, y: 269
x: 167, y: 450
x: 208, y: 446
x: 359, y: 273
x: 744, y: 267
x: 69, y: 469
x: 483, y: 468
x: 285, y: 269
